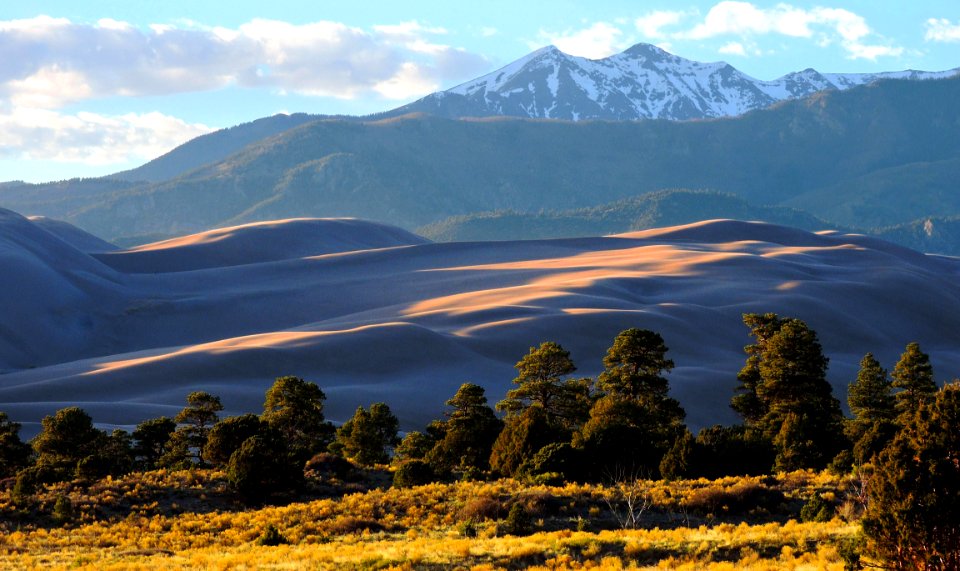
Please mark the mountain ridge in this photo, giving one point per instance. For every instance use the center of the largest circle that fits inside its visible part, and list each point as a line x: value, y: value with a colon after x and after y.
x: 642, y: 82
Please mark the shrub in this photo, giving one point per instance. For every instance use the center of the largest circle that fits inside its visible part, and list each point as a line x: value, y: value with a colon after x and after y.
x: 260, y: 468
x: 517, y: 522
x: 817, y: 509
x: 326, y: 465
x: 736, y: 500
x: 62, y: 510
x: 413, y: 473
x: 481, y: 508
x: 271, y: 537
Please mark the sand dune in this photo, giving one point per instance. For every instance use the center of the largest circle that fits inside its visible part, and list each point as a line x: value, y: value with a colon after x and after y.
x: 259, y: 242
x: 373, y: 314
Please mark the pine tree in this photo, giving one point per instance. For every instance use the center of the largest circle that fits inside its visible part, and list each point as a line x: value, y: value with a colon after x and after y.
x: 369, y: 436
x: 540, y: 380
x: 913, y: 374
x: 468, y: 433
x: 871, y: 401
x: 635, y: 422
x: 66, y: 439
x: 14, y: 453
x: 294, y: 407
x: 634, y: 367
x: 195, y: 421
x: 788, y: 399
x: 227, y: 435
x: 747, y: 402
x: 151, y: 439
x: 914, y: 493
x: 521, y: 438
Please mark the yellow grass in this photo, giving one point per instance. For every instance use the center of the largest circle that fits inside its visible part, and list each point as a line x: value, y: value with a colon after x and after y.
x: 417, y: 528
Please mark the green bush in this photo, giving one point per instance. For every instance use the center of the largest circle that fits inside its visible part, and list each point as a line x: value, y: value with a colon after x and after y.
x: 517, y: 522
x: 413, y: 473
x: 271, y: 536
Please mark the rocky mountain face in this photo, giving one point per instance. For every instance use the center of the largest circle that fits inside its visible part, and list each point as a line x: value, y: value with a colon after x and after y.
x: 643, y: 82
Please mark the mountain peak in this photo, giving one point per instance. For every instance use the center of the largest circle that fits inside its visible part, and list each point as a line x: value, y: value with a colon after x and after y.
x: 642, y: 82
x: 646, y: 50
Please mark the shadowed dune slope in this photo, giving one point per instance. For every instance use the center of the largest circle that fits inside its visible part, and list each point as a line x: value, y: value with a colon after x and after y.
x: 408, y: 325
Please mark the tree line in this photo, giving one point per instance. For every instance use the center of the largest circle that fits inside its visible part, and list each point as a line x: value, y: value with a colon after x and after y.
x: 903, y: 437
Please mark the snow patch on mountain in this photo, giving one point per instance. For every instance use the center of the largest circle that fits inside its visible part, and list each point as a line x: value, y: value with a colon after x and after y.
x: 643, y: 82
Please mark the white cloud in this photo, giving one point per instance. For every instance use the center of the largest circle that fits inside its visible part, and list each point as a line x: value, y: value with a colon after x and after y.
x: 598, y: 41
x: 733, y: 48
x: 651, y: 25
x: 942, y: 30
x: 49, y: 63
x: 488, y: 31
x: 113, y: 58
x: 40, y: 134
x: 824, y: 26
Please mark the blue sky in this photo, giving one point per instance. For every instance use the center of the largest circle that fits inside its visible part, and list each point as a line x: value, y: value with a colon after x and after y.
x: 88, y: 88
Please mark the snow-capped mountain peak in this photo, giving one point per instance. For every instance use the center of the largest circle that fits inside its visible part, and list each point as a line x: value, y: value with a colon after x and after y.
x: 642, y: 82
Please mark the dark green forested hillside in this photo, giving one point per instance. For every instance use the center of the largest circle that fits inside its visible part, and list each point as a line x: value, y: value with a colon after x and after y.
x: 651, y: 210
x: 867, y: 157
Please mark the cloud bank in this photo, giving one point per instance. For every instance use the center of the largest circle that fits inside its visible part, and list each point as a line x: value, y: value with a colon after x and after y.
x: 50, y: 63
x: 741, y: 24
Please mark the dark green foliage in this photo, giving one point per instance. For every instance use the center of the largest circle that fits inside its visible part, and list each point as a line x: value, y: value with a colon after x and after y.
x: 25, y: 486
x: 633, y: 368
x: 850, y: 551
x: 873, y: 440
x: 326, y: 465
x: 67, y: 438
x: 413, y: 472
x: 540, y: 376
x: 554, y: 463
x: 621, y: 434
x: 911, y: 519
x: 648, y: 210
x: 195, y: 422
x: 14, y: 453
x: 414, y: 446
x: 368, y: 436
x: 784, y: 394
x: 271, y: 537
x: 522, y: 436
x: 294, y: 407
x: 679, y: 461
x: 636, y: 421
x: 731, y: 451
x: 262, y: 468
x: 468, y: 433
x: 817, y: 509
x: 870, y: 397
x: 150, y: 441
x: 518, y: 521
x: 871, y: 400
x: 227, y: 435
x: 913, y: 374
x: 114, y: 456
x: 63, y: 512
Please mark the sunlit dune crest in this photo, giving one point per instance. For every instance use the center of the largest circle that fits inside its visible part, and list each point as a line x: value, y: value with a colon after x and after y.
x: 390, y: 317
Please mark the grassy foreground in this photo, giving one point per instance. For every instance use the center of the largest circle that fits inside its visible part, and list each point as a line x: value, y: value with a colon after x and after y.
x: 188, y: 520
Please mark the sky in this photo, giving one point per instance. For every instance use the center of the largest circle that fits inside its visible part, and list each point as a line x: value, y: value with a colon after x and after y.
x: 94, y: 87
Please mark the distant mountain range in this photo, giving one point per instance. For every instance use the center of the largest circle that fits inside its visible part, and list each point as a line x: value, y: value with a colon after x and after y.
x: 870, y: 156
x: 643, y: 82
x: 892, y: 148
